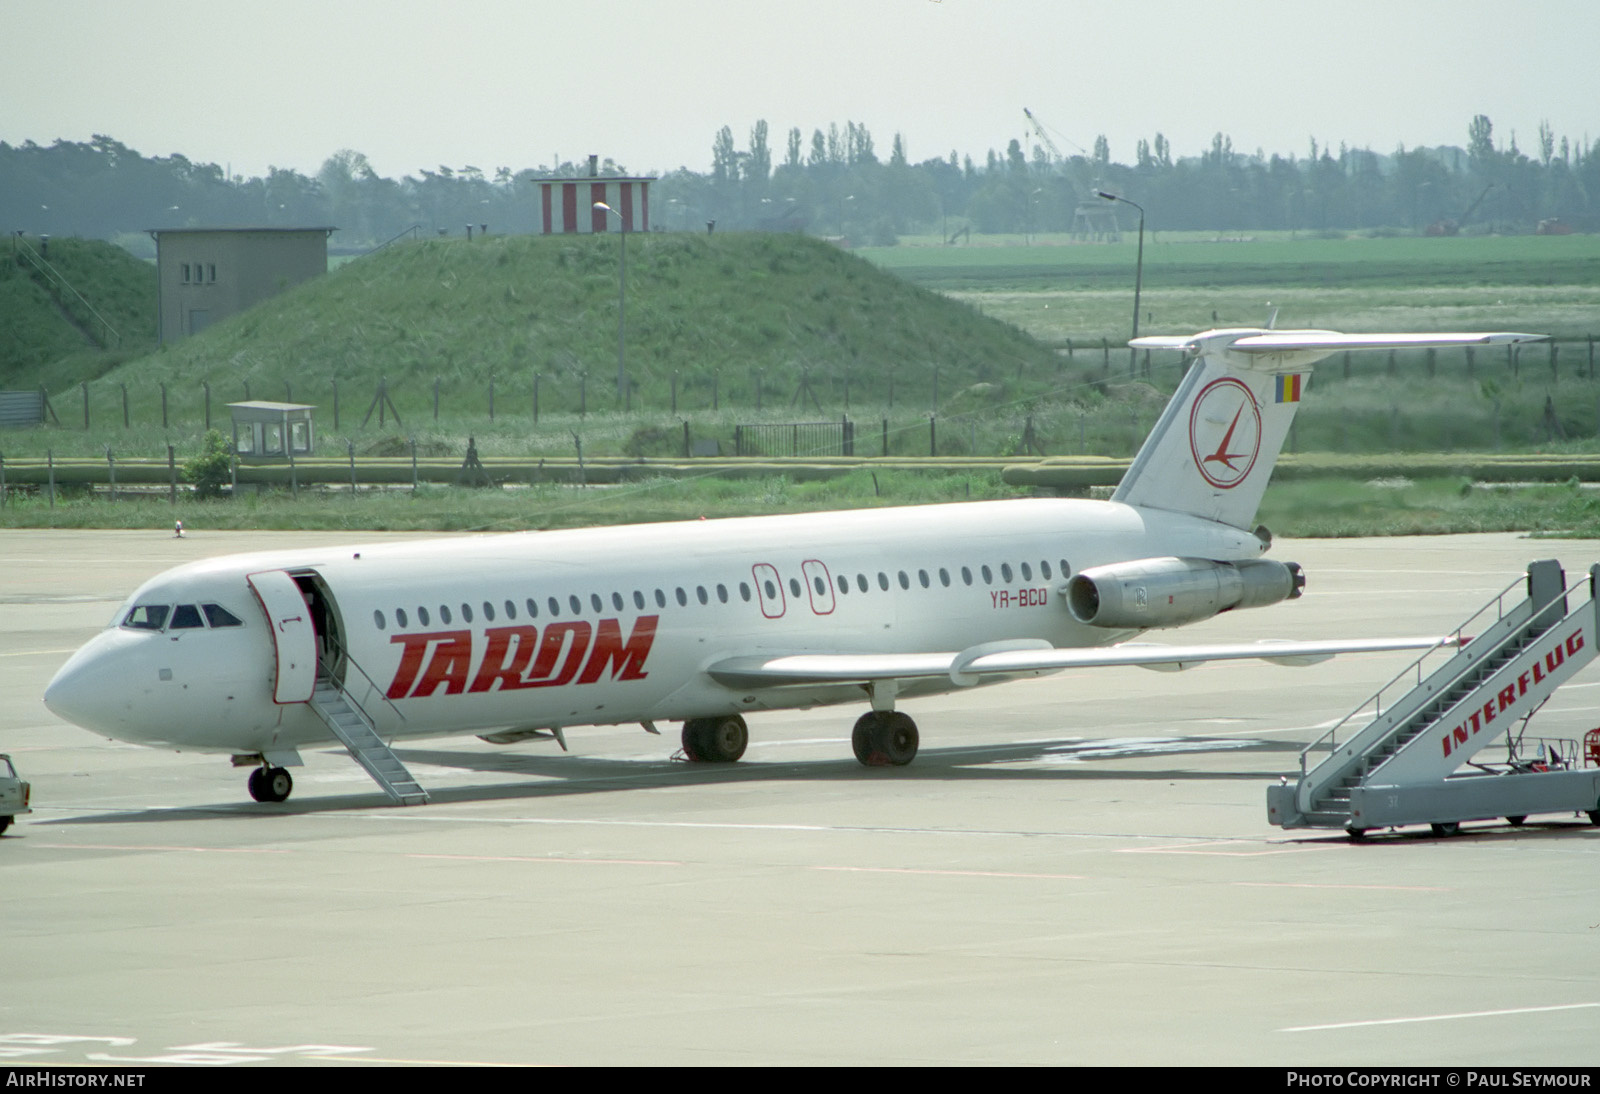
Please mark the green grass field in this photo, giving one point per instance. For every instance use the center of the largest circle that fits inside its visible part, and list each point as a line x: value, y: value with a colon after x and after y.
x: 512, y: 308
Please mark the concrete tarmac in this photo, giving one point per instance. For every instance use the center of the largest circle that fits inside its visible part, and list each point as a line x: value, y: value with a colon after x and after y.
x: 1077, y: 869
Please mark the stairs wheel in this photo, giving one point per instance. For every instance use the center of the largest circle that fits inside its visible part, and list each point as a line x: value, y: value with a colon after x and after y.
x: 1446, y: 829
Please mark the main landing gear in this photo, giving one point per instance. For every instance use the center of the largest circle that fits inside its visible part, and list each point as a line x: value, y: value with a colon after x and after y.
x: 881, y: 738
x: 270, y: 784
x: 715, y: 740
x: 884, y: 738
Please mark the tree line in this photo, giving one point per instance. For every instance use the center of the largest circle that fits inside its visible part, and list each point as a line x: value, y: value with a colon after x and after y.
x: 836, y: 183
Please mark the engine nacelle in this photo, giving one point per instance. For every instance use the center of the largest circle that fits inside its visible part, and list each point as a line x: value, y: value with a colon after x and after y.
x: 1167, y: 592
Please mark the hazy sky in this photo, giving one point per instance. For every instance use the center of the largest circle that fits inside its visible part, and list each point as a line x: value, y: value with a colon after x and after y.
x: 514, y: 83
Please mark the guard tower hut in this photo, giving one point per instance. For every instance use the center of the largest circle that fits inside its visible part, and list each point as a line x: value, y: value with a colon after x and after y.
x: 204, y: 275
x: 567, y: 204
x: 266, y: 432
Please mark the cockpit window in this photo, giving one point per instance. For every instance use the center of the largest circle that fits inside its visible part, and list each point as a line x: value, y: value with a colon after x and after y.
x: 185, y: 617
x: 147, y: 617
x: 218, y: 616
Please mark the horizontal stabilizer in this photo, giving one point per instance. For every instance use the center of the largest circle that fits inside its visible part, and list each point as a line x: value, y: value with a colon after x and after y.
x: 968, y: 667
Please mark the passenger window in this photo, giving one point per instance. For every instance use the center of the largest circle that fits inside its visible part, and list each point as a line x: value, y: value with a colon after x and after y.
x: 1005, y: 571
x: 616, y: 601
x: 966, y: 574
x: 1027, y: 572
x: 400, y: 617
x: 844, y: 584
x: 488, y: 611
x: 638, y: 600
x: 575, y: 603
x: 1066, y: 571
x: 883, y: 581
x: 1044, y: 569
x: 988, y: 574
x: 722, y: 594
x: 821, y: 586
x: 444, y: 613
x: 511, y: 610
x: 744, y: 591
x: 377, y: 618
x: 683, y: 597
x: 466, y: 613
x: 944, y: 577
x: 861, y: 582
x: 218, y: 616
x: 147, y: 617
x: 922, y: 576
x: 533, y: 608
x: 599, y: 605
x: 186, y: 617
x: 555, y: 608
x: 772, y: 590
x: 422, y: 615
x: 905, y: 581
x: 700, y: 593
x: 661, y: 599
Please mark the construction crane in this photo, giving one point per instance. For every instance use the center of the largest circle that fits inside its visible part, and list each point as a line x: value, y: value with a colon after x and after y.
x: 1091, y: 220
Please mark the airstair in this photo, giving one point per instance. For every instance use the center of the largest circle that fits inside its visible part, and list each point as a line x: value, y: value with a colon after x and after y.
x: 354, y: 728
x: 1411, y: 759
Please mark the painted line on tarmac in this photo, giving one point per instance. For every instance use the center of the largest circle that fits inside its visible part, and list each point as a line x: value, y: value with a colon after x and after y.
x: 1437, y: 1018
x: 947, y: 873
x: 1323, y: 885
x: 547, y: 859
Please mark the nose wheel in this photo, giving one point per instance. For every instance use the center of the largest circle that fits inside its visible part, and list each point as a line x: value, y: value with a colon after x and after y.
x: 270, y: 784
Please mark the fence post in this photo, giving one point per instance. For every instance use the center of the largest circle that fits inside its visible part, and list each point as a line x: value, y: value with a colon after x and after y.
x: 1555, y: 350
x: 716, y: 379
x: 583, y: 395
x: 2, y: 482
x: 207, y: 385
x: 164, y: 404
x: 124, y: 406
x: 738, y: 440
x: 413, y: 463
x: 288, y: 392
x: 84, y: 387
x: 172, y: 476
x: 936, y: 391
x: 111, y: 472
x: 885, y: 451
x: 350, y: 446
x: 933, y: 437
x: 491, y: 396
x: 758, y: 391
x: 335, y: 405
x: 535, y: 398
x: 675, y: 397
x: 685, y: 438
x: 435, y: 402
x: 50, y: 458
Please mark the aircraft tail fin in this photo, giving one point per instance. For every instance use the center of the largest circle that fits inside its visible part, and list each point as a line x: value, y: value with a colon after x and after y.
x: 1214, y: 447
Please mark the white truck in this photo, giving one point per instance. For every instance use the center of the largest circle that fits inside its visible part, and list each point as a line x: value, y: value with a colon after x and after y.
x: 14, y: 793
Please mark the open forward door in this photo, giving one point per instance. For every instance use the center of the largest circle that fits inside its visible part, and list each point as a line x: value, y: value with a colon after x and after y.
x: 294, y: 638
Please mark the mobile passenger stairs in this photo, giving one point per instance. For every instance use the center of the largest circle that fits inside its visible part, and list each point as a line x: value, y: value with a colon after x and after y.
x: 1411, y: 762
x: 348, y: 720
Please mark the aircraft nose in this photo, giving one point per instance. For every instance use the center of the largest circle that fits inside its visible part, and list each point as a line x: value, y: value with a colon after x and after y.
x: 86, y: 690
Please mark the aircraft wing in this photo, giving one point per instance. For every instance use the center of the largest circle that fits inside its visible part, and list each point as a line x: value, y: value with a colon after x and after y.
x: 1029, y: 657
x: 1297, y: 340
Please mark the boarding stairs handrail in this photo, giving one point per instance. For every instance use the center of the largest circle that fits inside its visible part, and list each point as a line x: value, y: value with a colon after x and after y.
x: 1408, y: 679
x: 350, y: 661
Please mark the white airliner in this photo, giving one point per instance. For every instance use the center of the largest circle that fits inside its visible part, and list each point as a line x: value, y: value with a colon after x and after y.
x: 512, y: 635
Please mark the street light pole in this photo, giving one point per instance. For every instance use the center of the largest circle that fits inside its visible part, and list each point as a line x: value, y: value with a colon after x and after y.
x: 1138, y: 275
x: 622, y: 305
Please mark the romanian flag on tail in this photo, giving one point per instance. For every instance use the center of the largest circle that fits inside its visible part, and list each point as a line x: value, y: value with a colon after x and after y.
x: 1288, y: 388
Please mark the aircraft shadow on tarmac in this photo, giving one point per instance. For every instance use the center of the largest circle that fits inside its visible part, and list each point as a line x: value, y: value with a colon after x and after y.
x: 567, y: 774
